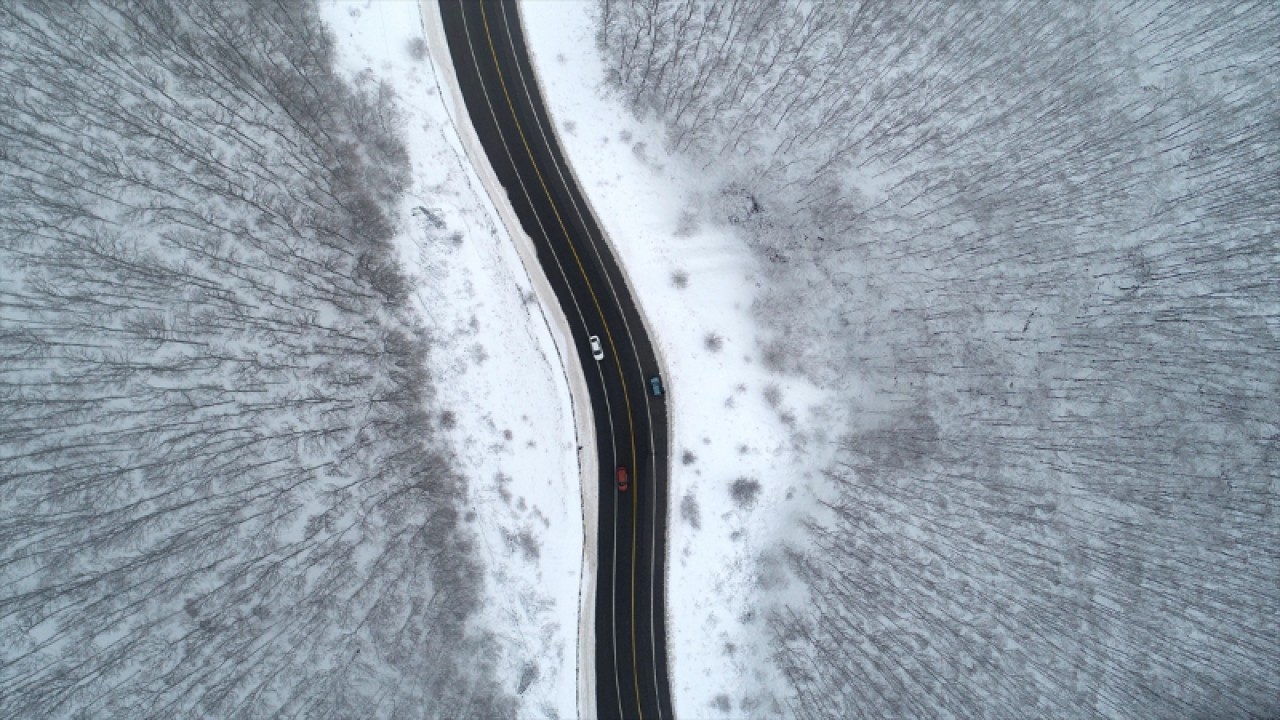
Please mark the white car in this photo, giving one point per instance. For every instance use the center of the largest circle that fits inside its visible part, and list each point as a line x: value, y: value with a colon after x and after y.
x: 597, y: 350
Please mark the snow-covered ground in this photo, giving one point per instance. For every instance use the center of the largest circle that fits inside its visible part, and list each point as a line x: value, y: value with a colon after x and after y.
x: 745, y: 439
x: 501, y: 379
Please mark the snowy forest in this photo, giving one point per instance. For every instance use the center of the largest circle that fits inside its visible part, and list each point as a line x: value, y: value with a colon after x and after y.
x: 219, y: 491
x: 1034, y: 250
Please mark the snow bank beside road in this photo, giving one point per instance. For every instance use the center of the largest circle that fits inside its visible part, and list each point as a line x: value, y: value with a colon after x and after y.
x: 497, y: 365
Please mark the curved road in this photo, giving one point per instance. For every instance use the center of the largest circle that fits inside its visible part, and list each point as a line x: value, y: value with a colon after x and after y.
x: 505, y: 105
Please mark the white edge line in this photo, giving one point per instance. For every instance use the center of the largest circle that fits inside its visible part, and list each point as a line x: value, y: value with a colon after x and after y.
x: 613, y: 616
x: 558, y: 326
x: 586, y: 328
x: 648, y: 411
x: 658, y: 350
x: 644, y: 392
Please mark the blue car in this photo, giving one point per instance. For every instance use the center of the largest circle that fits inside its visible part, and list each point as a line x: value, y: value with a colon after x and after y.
x: 655, y: 386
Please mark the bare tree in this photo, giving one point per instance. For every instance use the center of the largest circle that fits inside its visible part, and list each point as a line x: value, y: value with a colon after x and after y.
x: 220, y: 491
x: 1046, y: 235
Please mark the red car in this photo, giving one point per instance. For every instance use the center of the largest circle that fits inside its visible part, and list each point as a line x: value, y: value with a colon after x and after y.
x: 622, y: 479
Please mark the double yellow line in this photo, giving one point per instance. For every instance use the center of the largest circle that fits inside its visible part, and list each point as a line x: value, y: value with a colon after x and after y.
x: 635, y: 515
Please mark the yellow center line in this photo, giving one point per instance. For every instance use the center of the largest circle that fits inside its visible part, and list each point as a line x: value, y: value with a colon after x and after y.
x: 635, y: 676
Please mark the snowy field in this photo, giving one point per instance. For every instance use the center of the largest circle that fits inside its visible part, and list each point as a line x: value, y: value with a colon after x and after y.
x: 500, y: 376
x: 738, y: 428
x: 744, y: 438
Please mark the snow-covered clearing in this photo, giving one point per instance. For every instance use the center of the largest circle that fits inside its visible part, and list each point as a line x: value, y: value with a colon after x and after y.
x: 744, y: 438
x: 739, y: 430
x: 499, y: 373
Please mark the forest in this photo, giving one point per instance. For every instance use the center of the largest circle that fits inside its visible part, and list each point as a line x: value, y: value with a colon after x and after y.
x: 1037, y: 248
x: 223, y: 491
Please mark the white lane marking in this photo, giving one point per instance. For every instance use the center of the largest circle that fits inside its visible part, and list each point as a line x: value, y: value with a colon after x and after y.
x: 653, y: 551
x: 578, y: 309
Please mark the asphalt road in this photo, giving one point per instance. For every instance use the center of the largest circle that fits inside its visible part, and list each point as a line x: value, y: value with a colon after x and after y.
x: 505, y: 105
